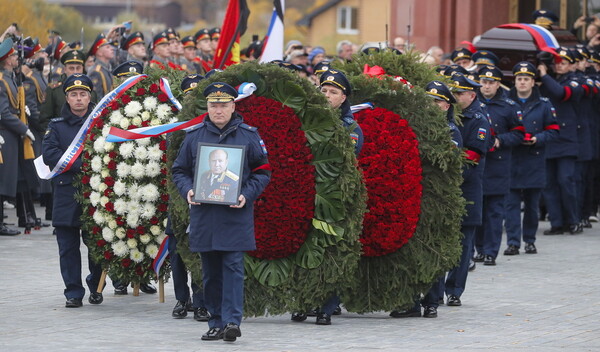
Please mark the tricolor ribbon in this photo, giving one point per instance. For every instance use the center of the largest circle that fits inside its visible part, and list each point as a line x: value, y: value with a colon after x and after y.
x: 543, y: 38
x: 363, y: 106
x: 76, y: 146
x: 161, y: 256
x: 165, y: 88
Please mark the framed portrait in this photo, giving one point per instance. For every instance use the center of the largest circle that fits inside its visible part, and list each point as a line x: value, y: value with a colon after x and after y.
x: 218, y: 174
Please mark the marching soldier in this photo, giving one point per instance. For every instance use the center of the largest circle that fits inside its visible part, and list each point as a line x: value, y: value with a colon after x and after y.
x: 100, y: 73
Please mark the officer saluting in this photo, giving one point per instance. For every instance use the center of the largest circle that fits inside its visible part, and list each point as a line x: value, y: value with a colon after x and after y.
x: 67, y: 212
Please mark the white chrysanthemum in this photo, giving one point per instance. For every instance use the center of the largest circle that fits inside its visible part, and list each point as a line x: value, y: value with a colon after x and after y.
x: 108, y: 234
x: 155, y: 122
x: 106, y: 159
x: 132, y: 108
x: 145, y: 238
x: 102, y: 187
x: 123, y: 170
x: 133, y: 220
x: 138, y: 170
x: 155, y: 230
x: 99, y: 144
x: 105, y: 130
x: 119, y: 248
x: 132, y: 243
x: 160, y: 238
x: 136, y: 121
x: 124, y: 123
x: 103, y: 200
x: 126, y: 149
x: 148, y: 211
x: 145, y: 115
x: 120, y: 206
x: 120, y: 188
x: 150, y: 103
x: 99, y: 217
x: 112, y: 224
x: 154, y: 152
x: 96, y: 164
x: 143, y: 141
x: 134, y: 192
x: 115, y: 117
x: 95, y: 182
x: 152, y: 250
x: 104, y: 173
x: 108, y: 146
x: 136, y: 256
x: 141, y: 153
x: 94, y: 198
x: 120, y: 233
x: 152, y: 169
x: 163, y: 112
x: 173, y: 120
x: 150, y: 193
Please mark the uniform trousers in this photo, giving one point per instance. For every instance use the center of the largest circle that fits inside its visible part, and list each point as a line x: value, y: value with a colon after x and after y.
x: 456, y: 280
x: 68, y: 239
x: 529, y: 226
x: 560, y: 192
x: 488, y: 236
x: 180, y: 278
x: 331, y: 304
x: 223, y: 277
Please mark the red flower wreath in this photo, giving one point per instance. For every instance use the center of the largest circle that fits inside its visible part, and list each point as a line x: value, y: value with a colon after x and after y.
x: 392, y: 169
x: 285, y: 209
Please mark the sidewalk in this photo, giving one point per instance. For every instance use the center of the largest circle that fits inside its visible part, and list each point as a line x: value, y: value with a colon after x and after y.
x: 544, y: 302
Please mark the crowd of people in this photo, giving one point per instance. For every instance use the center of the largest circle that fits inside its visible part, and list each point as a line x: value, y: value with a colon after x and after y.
x: 528, y: 147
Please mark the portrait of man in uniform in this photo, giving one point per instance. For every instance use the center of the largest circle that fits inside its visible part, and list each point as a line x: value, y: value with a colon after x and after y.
x: 220, y: 182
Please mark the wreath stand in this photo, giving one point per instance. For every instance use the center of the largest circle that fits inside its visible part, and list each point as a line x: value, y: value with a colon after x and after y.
x: 136, y: 287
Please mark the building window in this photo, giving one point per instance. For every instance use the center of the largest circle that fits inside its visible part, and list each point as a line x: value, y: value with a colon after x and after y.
x: 347, y: 20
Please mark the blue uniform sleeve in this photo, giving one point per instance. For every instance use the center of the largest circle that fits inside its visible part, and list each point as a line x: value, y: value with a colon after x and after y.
x: 260, y: 169
x: 516, y: 131
x: 551, y: 126
x: 572, y: 91
x: 51, y: 150
x: 183, y: 172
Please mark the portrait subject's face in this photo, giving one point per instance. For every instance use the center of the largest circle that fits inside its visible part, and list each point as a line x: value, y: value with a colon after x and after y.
x: 218, y: 162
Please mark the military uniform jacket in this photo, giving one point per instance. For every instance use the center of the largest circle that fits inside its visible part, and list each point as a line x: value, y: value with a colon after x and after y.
x: 57, y: 139
x: 504, y: 116
x: 158, y: 62
x: 35, y: 92
x: 356, y: 133
x: 218, y: 227
x: 475, y: 131
x: 563, y: 92
x: 528, y: 169
x: 584, y: 113
x: 101, y: 77
x: 219, y: 188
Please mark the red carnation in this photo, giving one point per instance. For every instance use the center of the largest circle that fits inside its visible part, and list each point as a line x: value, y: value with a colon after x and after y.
x: 91, y: 211
x: 132, y: 127
x: 108, y: 192
x: 120, y: 221
x: 112, y: 154
x: 111, y: 165
x: 126, y: 262
x: 109, y: 181
x: 115, y: 105
x: 163, y: 98
x: 107, y: 255
x: 162, y: 207
x: 163, y: 145
x: 164, y: 197
x: 164, y: 158
x: 140, y: 92
x: 101, y: 243
x: 130, y: 233
x: 154, y: 220
x: 174, y: 108
x: 163, y: 181
x: 141, y: 230
x: 87, y: 155
x: 85, y: 179
x: 86, y: 194
x: 99, y: 123
x: 125, y: 99
x: 145, y: 123
x: 139, y: 271
x: 104, y: 112
x: 109, y: 206
x: 95, y: 230
x: 163, y: 171
x: 154, y: 88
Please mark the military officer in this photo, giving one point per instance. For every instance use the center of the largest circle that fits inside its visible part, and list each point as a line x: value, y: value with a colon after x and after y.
x: 100, y: 73
x: 462, y: 57
x: 475, y: 131
x: 215, y: 34
x: 507, y: 131
x: 66, y: 218
x: 175, y: 49
x: 135, y: 47
x: 528, y: 168
x: 189, y: 60
x: 483, y: 58
x: 160, y: 51
x: 203, y: 44
x: 128, y: 69
x: 223, y: 233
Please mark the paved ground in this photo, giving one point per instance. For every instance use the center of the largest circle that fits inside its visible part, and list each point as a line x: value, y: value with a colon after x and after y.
x: 544, y: 302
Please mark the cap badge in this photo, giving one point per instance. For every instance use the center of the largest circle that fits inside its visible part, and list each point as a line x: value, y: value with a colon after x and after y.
x: 433, y: 90
x: 77, y: 83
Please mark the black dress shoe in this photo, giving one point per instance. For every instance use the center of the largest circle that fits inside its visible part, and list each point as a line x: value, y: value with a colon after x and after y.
x: 95, y: 298
x: 201, y: 314
x: 441, y: 301
x: 7, y: 231
x: 189, y: 307
x: 407, y: 313
x: 212, y: 334
x: 511, y: 250
x: 478, y: 258
x: 231, y: 332
x: 472, y: 265
x: 530, y: 248
x: 179, y: 311
x: 337, y: 311
x: 73, y: 303
x: 430, y: 312
x: 489, y: 260
x: 121, y: 290
x: 554, y: 231
x: 586, y: 223
x: 323, y: 319
x: 147, y: 288
x: 312, y: 313
x: 298, y: 317
x: 453, y: 301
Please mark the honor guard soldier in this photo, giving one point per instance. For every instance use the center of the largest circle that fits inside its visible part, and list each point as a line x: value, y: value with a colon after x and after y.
x: 528, y: 169
x: 175, y: 49
x: 462, y: 57
x: 189, y: 60
x: 215, y: 34
x: 67, y: 212
x: 135, y: 47
x: 507, y: 131
x: 160, y: 51
x: 203, y: 44
x: 475, y: 131
x: 221, y: 233
x: 55, y: 51
x: 100, y: 73
x: 560, y: 194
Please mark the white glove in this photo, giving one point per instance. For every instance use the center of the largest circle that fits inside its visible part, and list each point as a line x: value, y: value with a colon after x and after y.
x: 30, y: 135
x: 1, y: 140
x: 27, y: 111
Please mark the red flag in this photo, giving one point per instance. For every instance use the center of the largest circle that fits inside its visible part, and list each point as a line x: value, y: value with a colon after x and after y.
x: 234, y: 26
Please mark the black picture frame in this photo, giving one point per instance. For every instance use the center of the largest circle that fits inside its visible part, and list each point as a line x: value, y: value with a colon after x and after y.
x: 215, y: 183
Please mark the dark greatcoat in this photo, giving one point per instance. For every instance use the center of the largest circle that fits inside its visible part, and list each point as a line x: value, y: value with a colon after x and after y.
x: 215, y: 227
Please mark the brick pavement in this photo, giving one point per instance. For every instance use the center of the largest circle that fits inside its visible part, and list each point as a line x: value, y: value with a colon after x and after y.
x: 544, y: 302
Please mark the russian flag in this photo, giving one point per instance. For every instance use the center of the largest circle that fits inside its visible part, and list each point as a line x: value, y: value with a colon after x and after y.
x: 273, y: 43
x: 161, y: 256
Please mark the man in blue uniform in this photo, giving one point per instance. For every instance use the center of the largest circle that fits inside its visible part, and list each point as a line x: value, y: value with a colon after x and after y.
x: 506, y: 132
x: 223, y: 233
x: 528, y: 169
x: 561, y: 154
x: 475, y: 131
x: 67, y: 212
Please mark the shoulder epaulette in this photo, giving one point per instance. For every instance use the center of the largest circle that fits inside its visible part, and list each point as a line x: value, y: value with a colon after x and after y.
x: 478, y: 115
x: 59, y: 70
x: 98, y: 68
x: 482, y: 105
x: 231, y: 175
x: 1, y: 75
x: 193, y: 128
x: 510, y: 101
x: 248, y: 127
x: 348, y: 120
x: 57, y: 119
x: 55, y: 84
